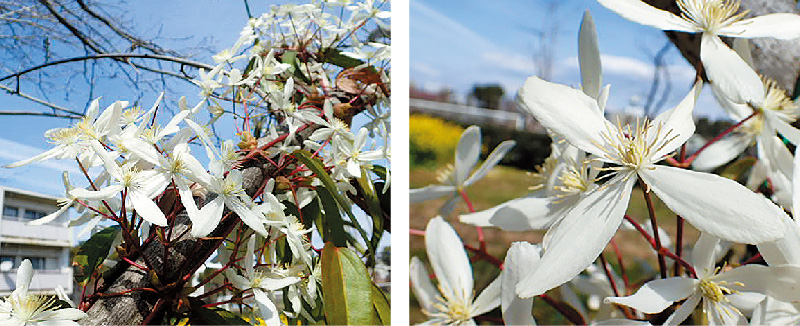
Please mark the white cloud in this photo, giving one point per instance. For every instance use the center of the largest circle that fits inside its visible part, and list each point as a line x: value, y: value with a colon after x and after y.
x: 425, y: 69
x: 511, y: 62
x: 632, y: 67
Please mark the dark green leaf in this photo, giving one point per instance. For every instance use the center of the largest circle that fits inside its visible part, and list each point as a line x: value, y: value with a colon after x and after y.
x: 92, y: 252
x: 346, y: 287
x: 214, y: 316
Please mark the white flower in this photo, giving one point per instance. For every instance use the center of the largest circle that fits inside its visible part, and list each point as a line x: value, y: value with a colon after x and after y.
x: 140, y: 187
x: 229, y: 193
x: 565, y: 176
x: 260, y: 281
x: 714, y: 18
x: 356, y: 157
x: 713, y: 286
x: 711, y: 203
x: 22, y: 308
x: 455, y: 178
x: 453, y: 304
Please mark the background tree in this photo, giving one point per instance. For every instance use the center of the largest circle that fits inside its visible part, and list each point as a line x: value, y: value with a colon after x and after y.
x: 488, y: 96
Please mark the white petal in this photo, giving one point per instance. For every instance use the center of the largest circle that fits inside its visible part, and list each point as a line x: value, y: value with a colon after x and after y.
x: 467, y: 153
x: 784, y: 26
x: 24, y: 277
x: 703, y: 257
x: 784, y: 128
x: 715, y: 204
x: 143, y: 150
x: 565, y: 111
x: 734, y: 78
x: 104, y: 193
x: 521, y: 258
x: 266, y: 309
x: 677, y: 122
x: 67, y: 314
x: 657, y: 295
x: 247, y: 215
x: 448, y: 259
x: 589, y: 57
x: 722, y: 152
x: 430, y: 192
x: 51, y: 153
x: 521, y: 214
x: 780, y: 282
x: 645, y: 14
x: 52, y: 216
x: 146, y: 208
x: 785, y: 250
x: 497, y: 154
x: 722, y: 313
x: 776, y: 312
x: 423, y: 288
x: 249, y: 257
x: 593, y: 220
x: 488, y: 299
x: 208, y: 217
x: 449, y: 205
x: 683, y: 312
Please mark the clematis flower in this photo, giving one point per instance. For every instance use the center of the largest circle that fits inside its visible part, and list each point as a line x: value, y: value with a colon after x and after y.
x: 713, y: 18
x: 456, y: 177
x: 713, y: 287
x: 260, y: 281
x: 711, y: 203
x: 229, y: 193
x: 565, y: 176
x: 22, y: 308
x: 453, y: 303
x: 140, y: 186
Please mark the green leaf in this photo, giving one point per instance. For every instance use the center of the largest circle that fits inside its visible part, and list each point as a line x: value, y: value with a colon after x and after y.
x: 333, y: 225
x: 92, y: 252
x: 213, y: 316
x: 380, y: 171
x: 375, y: 211
x: 346, y: 287
x: 383, y: 313
x: 319, y: 170
x: 335, y: 57
x: 290, y: 57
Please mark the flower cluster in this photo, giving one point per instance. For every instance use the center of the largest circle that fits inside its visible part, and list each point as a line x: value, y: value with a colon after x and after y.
x: 308, y: 70
x: 582, y: 191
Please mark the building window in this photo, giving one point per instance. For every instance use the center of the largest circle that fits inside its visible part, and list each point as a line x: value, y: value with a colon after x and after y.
x: 33, y: 215
x: 10, y: 211
x: 37, y: 262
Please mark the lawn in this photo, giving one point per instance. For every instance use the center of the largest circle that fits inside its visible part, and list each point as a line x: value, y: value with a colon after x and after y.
x: 503, y: 184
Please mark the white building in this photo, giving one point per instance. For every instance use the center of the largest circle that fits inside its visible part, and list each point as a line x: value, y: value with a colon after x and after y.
x: 46, y: 246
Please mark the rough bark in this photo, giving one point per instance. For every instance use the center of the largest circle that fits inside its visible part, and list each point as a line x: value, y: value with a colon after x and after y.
x: 776, y: 59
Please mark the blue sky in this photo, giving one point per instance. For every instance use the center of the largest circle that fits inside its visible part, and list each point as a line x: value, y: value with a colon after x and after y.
x: 457, y: 44
x: 180, y: 24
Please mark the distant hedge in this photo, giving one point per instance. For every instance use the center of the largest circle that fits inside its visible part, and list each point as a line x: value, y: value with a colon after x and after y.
x: 531, y: 148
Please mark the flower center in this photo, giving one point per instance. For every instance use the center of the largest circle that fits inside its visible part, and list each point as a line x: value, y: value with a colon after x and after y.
x: 28, y: 307
x: 574, y: 180
x: 446, y: 175
x: 452, y: 311
x: 776, y: 101
x: 543, y: 173
x: 633, y: 147
x: 710, y: 15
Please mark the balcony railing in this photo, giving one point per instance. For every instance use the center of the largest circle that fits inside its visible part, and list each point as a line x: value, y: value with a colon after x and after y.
x: 40, y: 234
x: 44, y: 281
